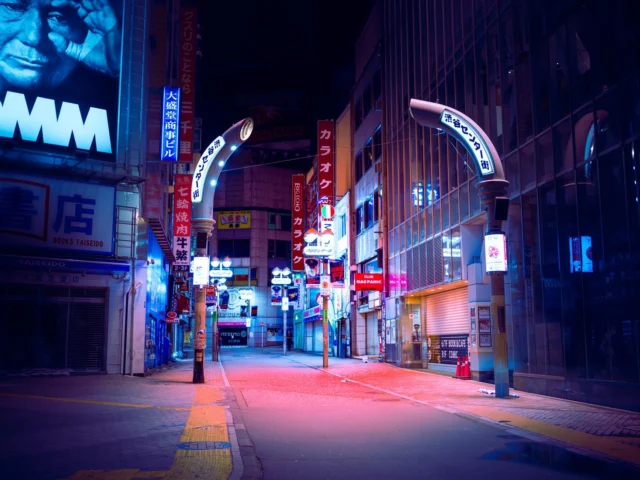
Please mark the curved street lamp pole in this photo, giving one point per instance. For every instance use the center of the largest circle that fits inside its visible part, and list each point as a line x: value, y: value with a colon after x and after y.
x: 205, y: 179
x: 492, y: 188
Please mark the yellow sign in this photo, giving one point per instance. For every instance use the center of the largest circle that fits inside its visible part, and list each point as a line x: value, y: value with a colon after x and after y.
x: 234, y: 220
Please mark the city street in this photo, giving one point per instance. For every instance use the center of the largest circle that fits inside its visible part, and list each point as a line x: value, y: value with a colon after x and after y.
x: 262, y: 415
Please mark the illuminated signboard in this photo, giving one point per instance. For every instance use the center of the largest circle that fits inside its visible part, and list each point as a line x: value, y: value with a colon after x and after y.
x: 169, y: 140
x: 61, y: 93
x: 46, y: 213
x: 200, y: 269
x: 580, y: 254
x: 418, y: 194
x: 495, y: 251
x: 202, y: 169
x: 471, y: 138
x: 234, y: 220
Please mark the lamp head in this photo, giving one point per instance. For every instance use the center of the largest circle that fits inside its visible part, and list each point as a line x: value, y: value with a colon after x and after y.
x: 215, y: 263
x: 286, y: 271
x: 226, y: 263
x: 276, y: 271
x: 311, y: 235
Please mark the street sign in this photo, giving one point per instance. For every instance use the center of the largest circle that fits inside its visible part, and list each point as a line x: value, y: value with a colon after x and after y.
x: 325, y: 285
x: 210, y: 291
x: 285, y: 303
x: 172, y: 317
x: 262, y: 324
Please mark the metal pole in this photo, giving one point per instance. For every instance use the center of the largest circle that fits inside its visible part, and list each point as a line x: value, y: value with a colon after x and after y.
x: 214, y: 342
x: 263, y: 336
x: 325, y: 323
x: 284, y: 326
x: 203, y: 229
x: 489, y: 190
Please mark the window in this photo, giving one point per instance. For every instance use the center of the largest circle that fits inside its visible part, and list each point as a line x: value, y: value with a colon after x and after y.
x: 368, y: 216
x: 377, y: 144
x: 279, y: 249
x: 341, y: 226
x: 366, y: 101
x: 368, y: 155
x: 279, y: 221
x: 376, y: 84
x: 359, y: 166
x: 234, y: 248
x: 359, y: 220
x: 376, y: 206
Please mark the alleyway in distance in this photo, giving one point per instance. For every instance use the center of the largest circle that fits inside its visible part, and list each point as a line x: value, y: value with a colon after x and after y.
x: 264, y: 416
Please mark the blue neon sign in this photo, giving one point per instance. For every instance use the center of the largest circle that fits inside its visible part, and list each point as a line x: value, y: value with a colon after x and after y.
x: 170, y: 142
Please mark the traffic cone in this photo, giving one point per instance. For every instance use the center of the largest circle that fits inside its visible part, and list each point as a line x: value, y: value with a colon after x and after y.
x: 466, y: 369
x: 458, y: 368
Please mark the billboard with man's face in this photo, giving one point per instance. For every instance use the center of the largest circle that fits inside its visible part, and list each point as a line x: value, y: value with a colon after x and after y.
x: 59, y: 74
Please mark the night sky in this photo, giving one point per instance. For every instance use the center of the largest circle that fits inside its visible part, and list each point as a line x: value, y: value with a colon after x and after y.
x: 292, y: 53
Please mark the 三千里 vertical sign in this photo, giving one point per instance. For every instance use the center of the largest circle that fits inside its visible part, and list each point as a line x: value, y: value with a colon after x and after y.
x: 169, y: 138
x: 297, y: 222
x: 187, y: 77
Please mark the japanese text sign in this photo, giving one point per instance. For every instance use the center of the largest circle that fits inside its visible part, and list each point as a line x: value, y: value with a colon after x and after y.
x: 495, y: 250
x: 326, y: 157
x: 169, y: 138
x: 48, y: 213
x: 202, y: 169
x: 187, y: 78
x: 234, y: 220
x: 297, y: 223
x: 470, y: 137
x: 182, y: 219
x: 368, y: 281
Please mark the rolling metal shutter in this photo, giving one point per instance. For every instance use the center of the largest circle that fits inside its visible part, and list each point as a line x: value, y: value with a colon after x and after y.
x: 86, y: 334
x: 448, y: 312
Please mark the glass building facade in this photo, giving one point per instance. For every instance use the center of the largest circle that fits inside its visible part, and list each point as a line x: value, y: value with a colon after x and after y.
x: 556, y: 85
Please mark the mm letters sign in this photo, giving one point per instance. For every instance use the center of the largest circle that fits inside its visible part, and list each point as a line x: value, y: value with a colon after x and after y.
x: 470, y: 137
x: 47, y: 213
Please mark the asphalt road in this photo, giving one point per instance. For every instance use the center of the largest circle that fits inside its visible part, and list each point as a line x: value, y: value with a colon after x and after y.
x: 307, y: 424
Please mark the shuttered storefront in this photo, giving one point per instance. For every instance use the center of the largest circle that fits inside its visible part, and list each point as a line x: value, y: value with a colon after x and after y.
x: 53, y: 327
x: 447, y: 328
x: 448, y: 312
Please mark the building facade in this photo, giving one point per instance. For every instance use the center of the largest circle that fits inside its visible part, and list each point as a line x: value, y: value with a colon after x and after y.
x: 556, y: 85
x: 253, y: 228
x: 366, y: 174
x: 71, y: 197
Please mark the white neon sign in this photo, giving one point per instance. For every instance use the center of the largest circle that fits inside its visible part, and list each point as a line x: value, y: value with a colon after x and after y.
x: 471, y: 138
x: 202, y: 169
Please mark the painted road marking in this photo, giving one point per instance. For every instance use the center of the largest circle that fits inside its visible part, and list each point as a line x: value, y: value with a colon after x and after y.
x: 94, y: 402
x: 125, y: 474
x: 207, y: 435
x: 580, y: 439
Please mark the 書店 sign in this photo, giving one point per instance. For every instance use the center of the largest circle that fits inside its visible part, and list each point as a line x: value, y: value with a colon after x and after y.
x: 470, y: 137
x: 54, y: 214
x: 495, y: 251
x: 234, y: 220
x: 368, y: 281
x: 169, y: 138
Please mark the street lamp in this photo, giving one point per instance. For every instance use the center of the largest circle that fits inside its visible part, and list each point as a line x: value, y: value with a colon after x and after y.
x: 282, y: 277
x: 219, y: 272
x: 322, y: 249
x: 203, y: 187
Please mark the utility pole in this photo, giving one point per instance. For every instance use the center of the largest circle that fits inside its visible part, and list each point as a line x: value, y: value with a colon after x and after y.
x: 200, y: 310
x: 325, y: 319
x: 285, y: 295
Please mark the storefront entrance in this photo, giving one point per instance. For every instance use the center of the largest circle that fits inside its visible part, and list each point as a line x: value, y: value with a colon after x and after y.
x: 53, y: 327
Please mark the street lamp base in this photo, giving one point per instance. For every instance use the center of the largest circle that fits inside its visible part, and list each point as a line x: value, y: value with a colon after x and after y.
x: 198, y: 366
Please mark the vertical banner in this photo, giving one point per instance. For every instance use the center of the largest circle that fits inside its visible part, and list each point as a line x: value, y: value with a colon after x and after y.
x: 187, y: 77
x: 182, y: 219
x: 170, y: 137
x: 297, y: 223
x: 326, y: 156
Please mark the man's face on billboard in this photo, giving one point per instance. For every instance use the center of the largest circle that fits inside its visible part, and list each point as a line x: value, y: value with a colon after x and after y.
x: 28, y: 57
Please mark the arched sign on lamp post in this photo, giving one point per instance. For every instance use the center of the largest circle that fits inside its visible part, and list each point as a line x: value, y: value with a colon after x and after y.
x: 492, y: 187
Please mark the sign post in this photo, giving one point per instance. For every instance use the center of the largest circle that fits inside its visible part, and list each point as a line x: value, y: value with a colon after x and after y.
x: 283, y: 278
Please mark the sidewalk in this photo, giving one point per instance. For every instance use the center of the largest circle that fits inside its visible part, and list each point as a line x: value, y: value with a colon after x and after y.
x: 614, y: 433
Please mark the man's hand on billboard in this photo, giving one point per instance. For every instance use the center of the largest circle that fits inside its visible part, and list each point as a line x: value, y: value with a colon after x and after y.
x: 101, y: 47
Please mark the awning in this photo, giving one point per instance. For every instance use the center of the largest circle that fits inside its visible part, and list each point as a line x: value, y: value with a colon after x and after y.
x: 158, y: 231
x: 63, y: 264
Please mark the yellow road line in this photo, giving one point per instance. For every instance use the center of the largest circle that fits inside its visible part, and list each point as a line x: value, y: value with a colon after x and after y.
x: 93, y: 402
x: 206, y: 424
x: 580, y: 439
x: 124, y: 474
